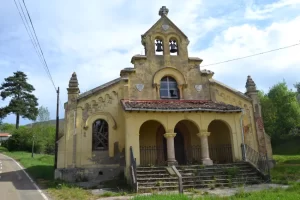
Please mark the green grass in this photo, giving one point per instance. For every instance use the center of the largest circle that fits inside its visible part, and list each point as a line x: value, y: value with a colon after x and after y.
x: 287, y: 159
x: 287, y: 169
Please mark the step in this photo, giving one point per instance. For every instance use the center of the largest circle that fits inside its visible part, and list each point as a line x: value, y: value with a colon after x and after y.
x: 203, y: 185
x: 221, y: 175
x: 159, y: 183
x: 157, y: 187
x: 153, y: 175
x: 153, y: 179
x: 222, y: 180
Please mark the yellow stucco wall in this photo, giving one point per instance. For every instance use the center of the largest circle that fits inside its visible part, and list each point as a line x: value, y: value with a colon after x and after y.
x: 224, y: 95
x: 104, y: 105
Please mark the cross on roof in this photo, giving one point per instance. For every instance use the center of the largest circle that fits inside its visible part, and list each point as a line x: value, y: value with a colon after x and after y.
x: 163, y: 11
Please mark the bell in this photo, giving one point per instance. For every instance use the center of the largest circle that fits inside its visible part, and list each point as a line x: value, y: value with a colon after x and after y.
x: 173, y: 47
x: 159, y: 46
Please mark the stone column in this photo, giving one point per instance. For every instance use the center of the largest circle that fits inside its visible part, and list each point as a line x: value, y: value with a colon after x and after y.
x: 203, y: 135
x: 170, y: 148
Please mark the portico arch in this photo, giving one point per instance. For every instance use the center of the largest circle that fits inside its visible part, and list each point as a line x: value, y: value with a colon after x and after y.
x: 151, y: 145
x: 220, y: 142
x: 186, y: 142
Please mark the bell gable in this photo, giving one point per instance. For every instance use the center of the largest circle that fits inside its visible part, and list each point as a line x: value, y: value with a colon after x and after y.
x: 165, y: 38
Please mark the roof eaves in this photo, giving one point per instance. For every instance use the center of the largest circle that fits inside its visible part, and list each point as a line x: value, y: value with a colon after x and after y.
x: 101, y: 87
x: 180, y: 110
x: 231, y: 89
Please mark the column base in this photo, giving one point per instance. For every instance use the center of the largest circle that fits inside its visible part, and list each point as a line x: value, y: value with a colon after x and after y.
x: 171, y: 163
x: 207, y: 161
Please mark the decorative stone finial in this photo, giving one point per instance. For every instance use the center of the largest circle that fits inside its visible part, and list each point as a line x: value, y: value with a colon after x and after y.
x: 163, y: 11
x: 73, y: 83
x: 250, y: 85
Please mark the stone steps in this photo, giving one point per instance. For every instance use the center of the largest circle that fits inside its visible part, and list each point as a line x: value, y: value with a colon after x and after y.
x: 219, y: 175
x: 194, y: 176
x: 155, y: 179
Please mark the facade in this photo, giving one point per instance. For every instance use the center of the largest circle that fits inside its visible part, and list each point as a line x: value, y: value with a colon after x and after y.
x: 166, y: 108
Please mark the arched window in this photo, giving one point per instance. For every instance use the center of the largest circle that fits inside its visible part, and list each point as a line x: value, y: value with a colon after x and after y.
x: 168, y: 88
x: 100, y: 135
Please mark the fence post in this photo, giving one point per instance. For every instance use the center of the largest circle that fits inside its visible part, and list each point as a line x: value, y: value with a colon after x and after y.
x: 268, y: 167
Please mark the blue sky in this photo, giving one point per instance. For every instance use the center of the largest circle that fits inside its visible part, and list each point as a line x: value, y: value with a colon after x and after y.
x: 97, y: 39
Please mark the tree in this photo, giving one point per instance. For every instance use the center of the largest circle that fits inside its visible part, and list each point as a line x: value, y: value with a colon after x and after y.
x: 280, y: 110
x: 297, y: 86
x: 23, y: 102
x: 43, y: 114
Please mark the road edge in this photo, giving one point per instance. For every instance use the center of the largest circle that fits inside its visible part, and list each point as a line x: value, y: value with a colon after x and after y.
x: 31, y: 180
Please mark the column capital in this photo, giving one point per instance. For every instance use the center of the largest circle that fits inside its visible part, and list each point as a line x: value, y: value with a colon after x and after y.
x: 203, y: 133
x: 169, y: 135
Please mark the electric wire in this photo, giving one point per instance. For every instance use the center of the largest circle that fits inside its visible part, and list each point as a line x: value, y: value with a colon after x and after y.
x: 240, y: 58
x: 27, y: 29
x: 33, y: 37
x: 38, y: 43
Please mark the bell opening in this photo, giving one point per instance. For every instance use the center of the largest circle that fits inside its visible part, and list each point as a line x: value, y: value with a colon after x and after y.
x: 159, y: 47
x: 173, y: 47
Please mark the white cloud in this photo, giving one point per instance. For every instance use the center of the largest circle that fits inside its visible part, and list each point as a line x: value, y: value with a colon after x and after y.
x: 98, y: 39
x: 254, y: 11
x: 244, y: 40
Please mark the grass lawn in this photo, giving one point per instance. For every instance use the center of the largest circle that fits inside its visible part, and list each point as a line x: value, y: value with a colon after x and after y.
x: 287, y: 171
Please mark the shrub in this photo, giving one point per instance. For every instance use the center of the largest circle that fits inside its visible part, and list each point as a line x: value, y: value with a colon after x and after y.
x: 22, y: 139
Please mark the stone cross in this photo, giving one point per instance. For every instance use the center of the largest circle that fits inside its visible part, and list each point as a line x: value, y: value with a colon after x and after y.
x: 163, y: 11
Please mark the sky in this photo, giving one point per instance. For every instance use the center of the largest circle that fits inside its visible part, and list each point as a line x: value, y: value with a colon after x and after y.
x: 96, y: 39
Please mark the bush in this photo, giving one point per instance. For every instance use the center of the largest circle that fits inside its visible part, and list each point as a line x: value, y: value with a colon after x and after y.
x: 22, y: 139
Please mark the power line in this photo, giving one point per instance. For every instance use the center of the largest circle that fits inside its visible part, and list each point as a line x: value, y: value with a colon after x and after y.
x: 234, y: 59
x: 39, y: 45
x: 24, y: 20
x: 34, y: 40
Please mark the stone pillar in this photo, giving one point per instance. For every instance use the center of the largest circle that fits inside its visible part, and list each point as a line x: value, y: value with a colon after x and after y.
x: 170, y: 148
x: 203, y: 135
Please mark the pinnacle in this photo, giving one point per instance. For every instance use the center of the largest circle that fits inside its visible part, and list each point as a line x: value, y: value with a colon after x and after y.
x: 73, y: 83
x: 250, y: 84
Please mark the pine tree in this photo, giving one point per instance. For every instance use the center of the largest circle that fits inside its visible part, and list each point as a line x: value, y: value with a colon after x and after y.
x: 23, y: 102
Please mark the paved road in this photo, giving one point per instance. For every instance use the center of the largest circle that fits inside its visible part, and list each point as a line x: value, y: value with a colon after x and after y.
x: 15, y: 184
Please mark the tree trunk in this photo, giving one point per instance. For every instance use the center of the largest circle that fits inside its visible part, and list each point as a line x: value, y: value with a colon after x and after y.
x: 17, y: 121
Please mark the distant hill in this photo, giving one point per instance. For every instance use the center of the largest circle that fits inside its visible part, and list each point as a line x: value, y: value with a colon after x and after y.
x: 51, y: 122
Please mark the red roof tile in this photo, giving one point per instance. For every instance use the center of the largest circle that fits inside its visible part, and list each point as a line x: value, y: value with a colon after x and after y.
x: 178, y: 105
x: 4, y: 134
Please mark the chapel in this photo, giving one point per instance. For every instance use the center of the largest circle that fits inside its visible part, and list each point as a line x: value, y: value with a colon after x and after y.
x: 165, y: 110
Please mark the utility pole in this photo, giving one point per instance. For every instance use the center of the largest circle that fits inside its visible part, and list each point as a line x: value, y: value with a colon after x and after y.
x: 32, y: 150
x: 57, y: 129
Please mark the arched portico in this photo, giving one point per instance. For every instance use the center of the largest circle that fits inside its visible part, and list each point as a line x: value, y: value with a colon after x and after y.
x: 220, y: 142
x: 152, y: 150
x: 186, y: 142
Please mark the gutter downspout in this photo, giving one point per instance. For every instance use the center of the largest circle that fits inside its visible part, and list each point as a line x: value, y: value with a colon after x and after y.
x: 243, y: 137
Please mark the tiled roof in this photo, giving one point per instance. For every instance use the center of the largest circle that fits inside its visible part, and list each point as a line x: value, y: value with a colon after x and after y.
x: 4, y: 134
x: 177, y: 105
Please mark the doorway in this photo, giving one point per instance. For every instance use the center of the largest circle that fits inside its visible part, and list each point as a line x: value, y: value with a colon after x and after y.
x: 179, y: 148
